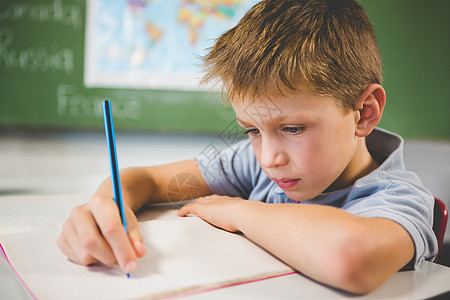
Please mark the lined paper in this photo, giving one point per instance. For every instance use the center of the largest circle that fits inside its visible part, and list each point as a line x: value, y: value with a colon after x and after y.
x: 184, y: 255
x: 25, y: 213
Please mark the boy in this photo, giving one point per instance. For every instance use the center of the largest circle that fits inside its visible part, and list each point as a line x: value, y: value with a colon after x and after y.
x: 332, y: 197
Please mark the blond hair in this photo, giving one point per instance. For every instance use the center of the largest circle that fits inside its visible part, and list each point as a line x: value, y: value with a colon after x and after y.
x: 280, y: 45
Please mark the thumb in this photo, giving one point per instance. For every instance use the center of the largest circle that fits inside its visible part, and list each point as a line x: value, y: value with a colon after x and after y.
x: 134, y: 234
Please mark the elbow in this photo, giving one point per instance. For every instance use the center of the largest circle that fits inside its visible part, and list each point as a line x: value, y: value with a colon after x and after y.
x: 354, y: 268
x: 352, y: 276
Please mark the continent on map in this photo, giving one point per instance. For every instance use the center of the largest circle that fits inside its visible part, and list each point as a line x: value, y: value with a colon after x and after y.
x: 139, y: 20
x: 194, y: 13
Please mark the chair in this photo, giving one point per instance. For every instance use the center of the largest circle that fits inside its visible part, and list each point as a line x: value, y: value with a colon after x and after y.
x: 439, y: 222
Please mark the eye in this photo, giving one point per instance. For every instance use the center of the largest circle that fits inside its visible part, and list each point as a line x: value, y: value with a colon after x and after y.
x: 294, y: 130
x: 252, y: 131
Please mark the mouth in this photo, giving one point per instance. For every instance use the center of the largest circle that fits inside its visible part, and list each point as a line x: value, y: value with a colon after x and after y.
x: 286, y: 183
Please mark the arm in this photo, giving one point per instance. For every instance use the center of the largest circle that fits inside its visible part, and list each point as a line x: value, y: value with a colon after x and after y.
x: 144, y: 185
x: 325, y: 243
x: 94, y: 232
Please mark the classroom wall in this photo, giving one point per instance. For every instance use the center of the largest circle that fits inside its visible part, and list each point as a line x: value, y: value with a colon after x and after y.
x: 42, y: 61
x: 414, y: 39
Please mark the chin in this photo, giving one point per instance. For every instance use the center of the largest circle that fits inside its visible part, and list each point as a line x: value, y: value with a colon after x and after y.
x: 300, y: 196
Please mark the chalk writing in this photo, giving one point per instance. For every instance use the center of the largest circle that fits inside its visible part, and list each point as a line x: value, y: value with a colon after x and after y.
x: 51, y: 58
x: 74, y: 104
x: 55, y: 12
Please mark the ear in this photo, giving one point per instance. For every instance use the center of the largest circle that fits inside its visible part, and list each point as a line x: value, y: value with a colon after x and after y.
x: 369, y: 109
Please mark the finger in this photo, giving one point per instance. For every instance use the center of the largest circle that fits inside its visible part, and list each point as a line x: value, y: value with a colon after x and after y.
x: 187, y: 209
x: 192, y: 207
x: 91, y: 240
x: 134, y: 234
x: 138, y: 247
x: 65, y: 247
x: 108, y: 219
x: 71, y: 247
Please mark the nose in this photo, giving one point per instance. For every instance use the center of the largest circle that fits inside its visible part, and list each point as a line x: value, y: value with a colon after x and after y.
x: 272, y: 154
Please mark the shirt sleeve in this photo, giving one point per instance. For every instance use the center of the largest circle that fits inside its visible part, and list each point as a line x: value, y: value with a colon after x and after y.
x: 232, y: 172
x: 404, y: 203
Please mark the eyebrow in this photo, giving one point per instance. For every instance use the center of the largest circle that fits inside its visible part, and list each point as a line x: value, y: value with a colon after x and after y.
x: 240, y: 121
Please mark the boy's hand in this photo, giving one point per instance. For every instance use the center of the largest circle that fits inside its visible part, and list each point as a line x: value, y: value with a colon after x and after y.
x: 221, y: 211
x: 94, y: 234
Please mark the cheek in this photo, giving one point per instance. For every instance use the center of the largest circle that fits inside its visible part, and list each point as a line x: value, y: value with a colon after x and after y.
x: 325, y: 158
x: 256, y: 148
x: 336, y: 156
x: 315, y: 159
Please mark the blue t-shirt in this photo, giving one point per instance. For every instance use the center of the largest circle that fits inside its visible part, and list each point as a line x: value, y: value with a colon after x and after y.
x: 390, y: 191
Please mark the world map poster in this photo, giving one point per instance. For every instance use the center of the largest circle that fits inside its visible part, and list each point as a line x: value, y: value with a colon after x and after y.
x: 154, y: 44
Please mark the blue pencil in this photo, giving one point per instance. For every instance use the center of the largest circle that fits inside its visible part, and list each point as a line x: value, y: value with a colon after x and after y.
x: 115, y: 178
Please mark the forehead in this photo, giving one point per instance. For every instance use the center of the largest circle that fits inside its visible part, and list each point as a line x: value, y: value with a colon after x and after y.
x: 303, y: 105
x: 275, y: 104
x: 258, y: 111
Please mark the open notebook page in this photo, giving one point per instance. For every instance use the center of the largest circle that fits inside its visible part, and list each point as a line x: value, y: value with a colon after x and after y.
x: 184, y: 255
x: 31, y: 213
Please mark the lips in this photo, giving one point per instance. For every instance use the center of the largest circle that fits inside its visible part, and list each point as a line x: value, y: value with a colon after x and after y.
x: 286, y: 183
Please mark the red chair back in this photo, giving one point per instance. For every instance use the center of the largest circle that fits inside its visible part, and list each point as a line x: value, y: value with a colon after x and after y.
x: 439, y: 222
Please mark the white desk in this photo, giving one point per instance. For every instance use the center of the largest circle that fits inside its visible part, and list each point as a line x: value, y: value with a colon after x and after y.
x: 428, y: 281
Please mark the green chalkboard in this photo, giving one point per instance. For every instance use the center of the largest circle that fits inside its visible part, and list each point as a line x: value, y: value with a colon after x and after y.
x: 414, y: 38
x: 42, y: 59
x: 41, y: 79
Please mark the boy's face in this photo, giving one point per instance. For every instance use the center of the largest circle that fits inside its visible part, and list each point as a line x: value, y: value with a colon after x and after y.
x: 303, y: 142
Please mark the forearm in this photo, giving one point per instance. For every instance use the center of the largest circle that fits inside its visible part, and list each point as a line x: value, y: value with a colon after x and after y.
x: 326, y: 243
x: 136, y: 187
x: 142, y: 185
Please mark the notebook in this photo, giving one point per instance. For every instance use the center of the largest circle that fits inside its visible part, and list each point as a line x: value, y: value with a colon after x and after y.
x: 184, y: 255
